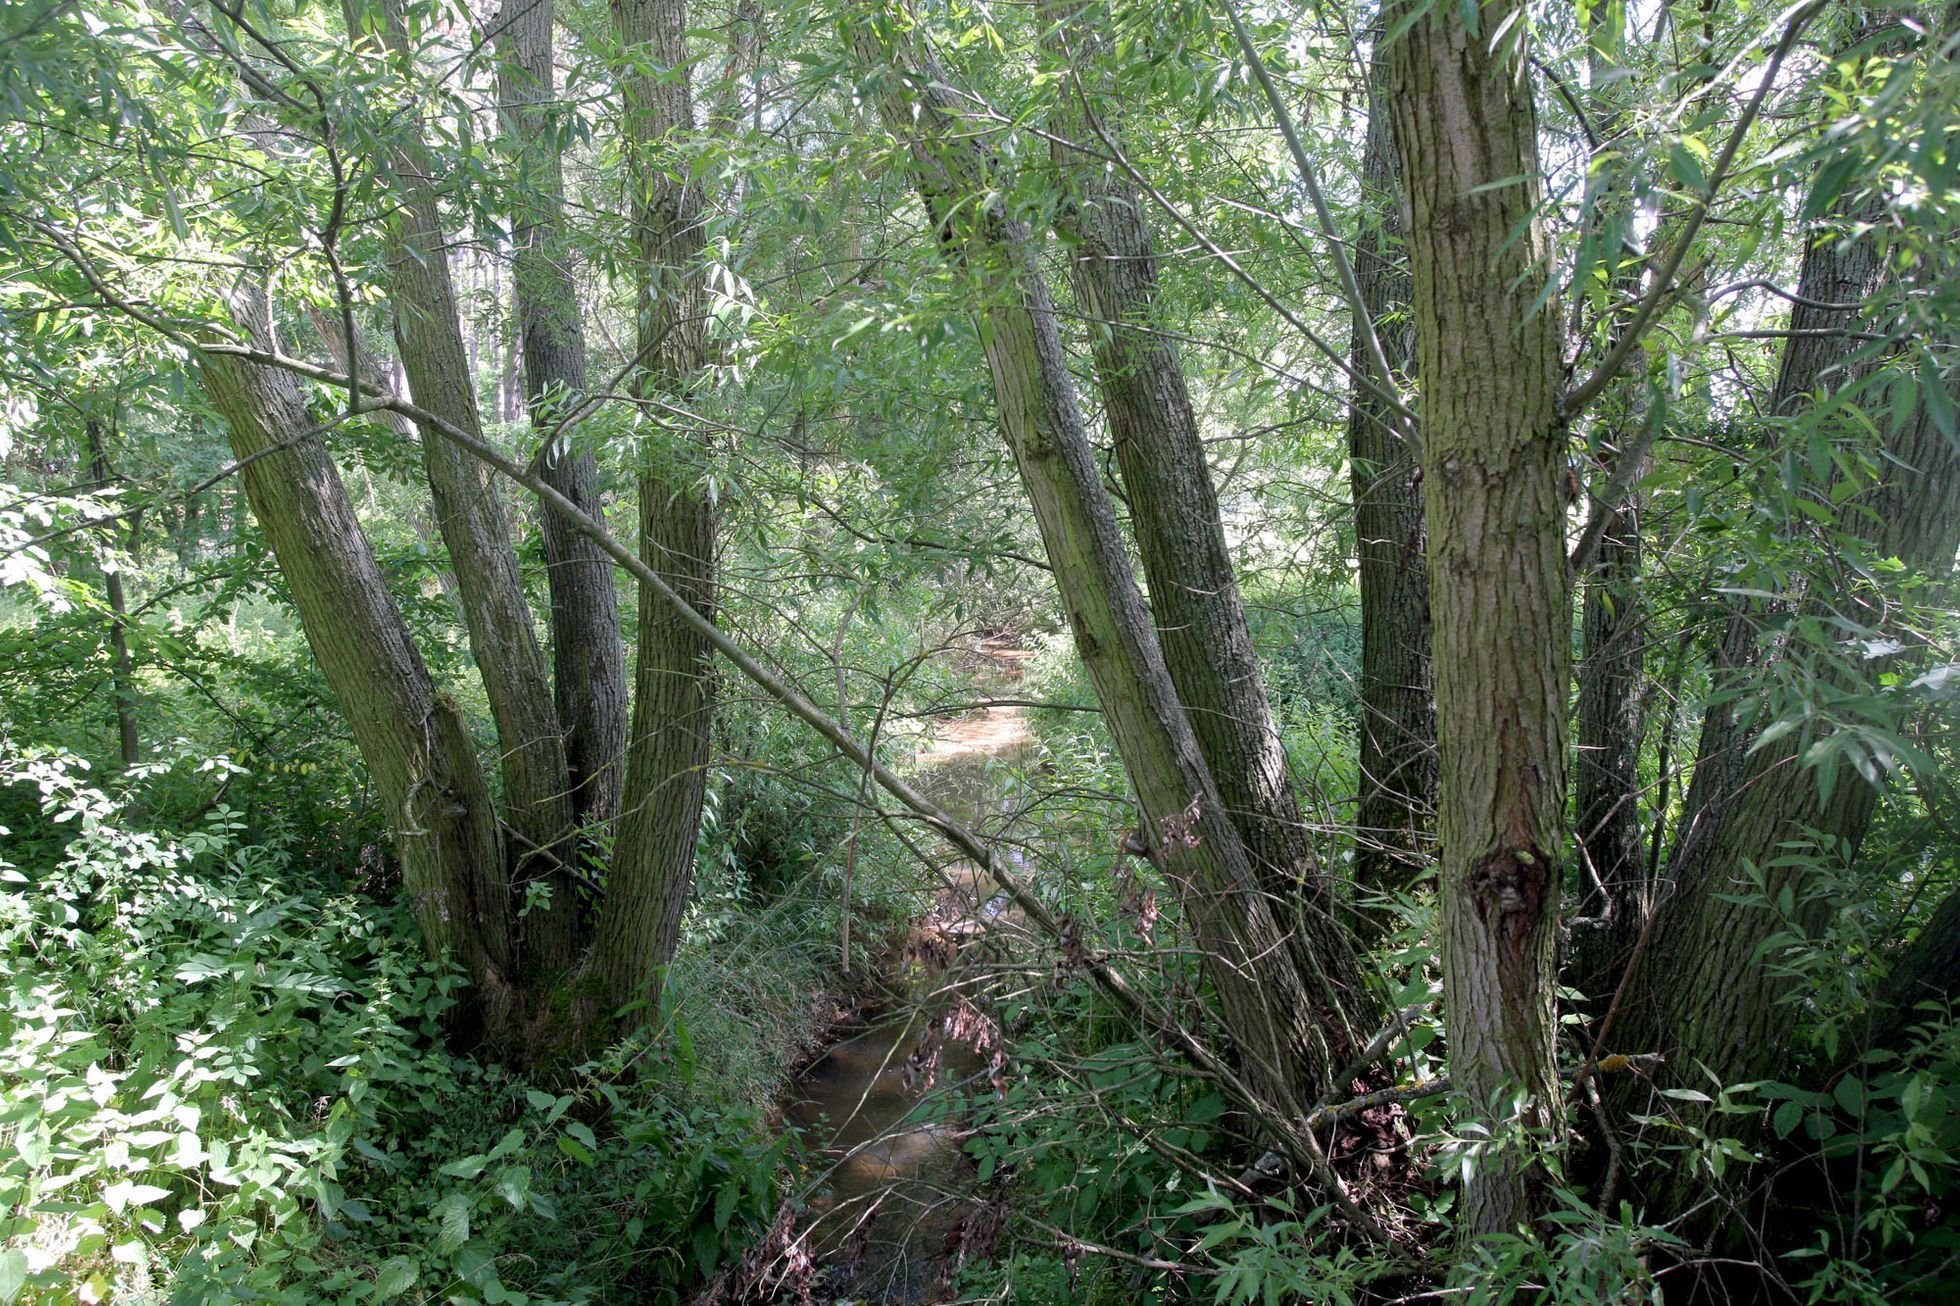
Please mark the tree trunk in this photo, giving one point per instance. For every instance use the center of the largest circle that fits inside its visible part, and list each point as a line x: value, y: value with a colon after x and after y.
x: 414, y: 741
x: 1613, y: 627
x: 1703, y: 991
x: 1927, y: 971
x: 1194, y: 595
x: 1396, y: 724
x: 588, y: 661
x: 471, y: 518
x: 1500, y: 594
x: 122, y: 668
x: 1607, y: 765
x: 673, y: 692
x: 1286, y: 1026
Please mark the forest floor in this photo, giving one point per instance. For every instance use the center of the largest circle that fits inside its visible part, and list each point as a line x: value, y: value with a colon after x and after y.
x: 894, y: 1200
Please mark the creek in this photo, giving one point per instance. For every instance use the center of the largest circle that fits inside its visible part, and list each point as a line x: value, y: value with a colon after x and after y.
x: 878, y: 1113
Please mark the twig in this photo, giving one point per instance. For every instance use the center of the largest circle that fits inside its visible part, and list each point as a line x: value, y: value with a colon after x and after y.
x: 1579, y: 396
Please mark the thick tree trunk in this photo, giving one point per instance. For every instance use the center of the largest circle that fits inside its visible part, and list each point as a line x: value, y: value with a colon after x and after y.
x: 1286, y: 1026
x: 1194, y: 594
x: 1396, y: 722
x: 1500, y: 594
x: 414, y: 740
x: 588, y: 660
x: 122, y: 668
x: 673, y: 691
x: 1703, y: 991
x: 471, y: 518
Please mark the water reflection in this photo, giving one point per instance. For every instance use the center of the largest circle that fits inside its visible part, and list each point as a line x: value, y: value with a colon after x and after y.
x: 879, y: 1112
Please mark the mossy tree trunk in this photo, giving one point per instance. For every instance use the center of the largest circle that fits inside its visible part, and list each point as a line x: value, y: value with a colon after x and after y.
x: 673, y: 691
x: 1500, y: 593
x: 1285, y: 1025
x: 1194, y: 593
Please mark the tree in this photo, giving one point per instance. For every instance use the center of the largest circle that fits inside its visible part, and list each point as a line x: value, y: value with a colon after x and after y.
x: 1500, y: 592
x: 588, y: 661
x: 1754, y: 802
x: 471, y: 517
x: 1286, y: 1026
x: 1174, y: 514
x: 673, y: 689
x: 414, y: 740
x: 1396, y: 717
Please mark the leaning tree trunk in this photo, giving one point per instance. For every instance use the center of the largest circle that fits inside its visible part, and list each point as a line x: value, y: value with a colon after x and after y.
x: 1194, y: 594
x: 588, y: 660
x: 1927, y: 971
x: 1397, y: 713
x: 1703, y: 991
x: 470, y: 516
x: 1500, y: 594
x: 414, y: 740
x: 673, y: 692
x: 1286, y: 1026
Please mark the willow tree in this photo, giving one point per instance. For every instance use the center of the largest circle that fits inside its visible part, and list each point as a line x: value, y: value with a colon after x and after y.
x: 1759, y: 819
x: 1174, y: 514
x: 588, y: 660
x: 1396, y: 713
x: 1289, y: 1028
x: 673, y: 684
x: 415, y: 742
x: 1487, y: 358
x: 476, y: 531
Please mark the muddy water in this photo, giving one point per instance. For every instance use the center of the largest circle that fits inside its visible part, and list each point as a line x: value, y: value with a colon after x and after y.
x: 878, y: 1114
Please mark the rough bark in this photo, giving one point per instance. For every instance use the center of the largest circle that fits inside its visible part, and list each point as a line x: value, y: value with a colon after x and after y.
x: 1500, y: 596
x: 414, y: 741
x: 1703, y: 991
x: 1613, y: 630
x: 1606, y: 768
x: 673, y: 691
x: 1284, y: 1025
x: 1396, y: 720
x: 471, y: 518
x: 1194, y: 593
x: 588, y: 659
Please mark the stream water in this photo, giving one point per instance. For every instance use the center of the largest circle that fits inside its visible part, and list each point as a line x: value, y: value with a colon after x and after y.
x: 878, y: 1112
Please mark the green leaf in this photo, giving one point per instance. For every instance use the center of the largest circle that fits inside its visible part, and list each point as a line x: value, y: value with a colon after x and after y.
x: 454, y: 1213
x: 514, y: 1184
x: 1939, y: 404
x: 13, y: 1274
x: 1831, y: 181
x: 1685, y: 168
x: 396, y: 1276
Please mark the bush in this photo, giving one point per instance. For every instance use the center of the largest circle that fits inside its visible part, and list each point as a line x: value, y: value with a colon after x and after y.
x: 218, y: 1084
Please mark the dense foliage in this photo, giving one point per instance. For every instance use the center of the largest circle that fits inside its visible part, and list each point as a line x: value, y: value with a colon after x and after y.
x: 1419, y: 768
